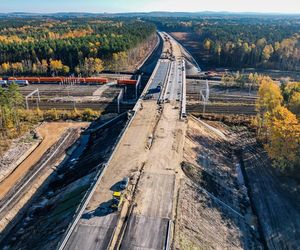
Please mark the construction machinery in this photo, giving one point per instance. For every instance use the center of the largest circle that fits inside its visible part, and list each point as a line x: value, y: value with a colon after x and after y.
x: 117, y: 200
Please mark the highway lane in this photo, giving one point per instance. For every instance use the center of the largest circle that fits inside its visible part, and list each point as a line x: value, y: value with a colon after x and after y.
x: 96, y: 226
x: 158, y: 79
x: 147, y: 226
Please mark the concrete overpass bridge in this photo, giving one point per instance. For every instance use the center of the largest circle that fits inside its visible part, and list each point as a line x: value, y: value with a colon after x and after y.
x: 149, y: 152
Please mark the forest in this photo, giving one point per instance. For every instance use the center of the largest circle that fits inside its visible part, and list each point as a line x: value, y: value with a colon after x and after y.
x: 267, y: 42
x: 51, y: 46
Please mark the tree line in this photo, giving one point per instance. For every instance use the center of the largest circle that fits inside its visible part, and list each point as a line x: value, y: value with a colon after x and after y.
x: 46, y: 47
x: 235, y: 41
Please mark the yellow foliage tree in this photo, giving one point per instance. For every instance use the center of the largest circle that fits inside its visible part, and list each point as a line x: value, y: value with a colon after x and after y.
x: 284, y: 138
x: 5, y: 67
x: 269, y: 98
x: 294, y: 104
x: 207, y: 44
x: 56, y: 66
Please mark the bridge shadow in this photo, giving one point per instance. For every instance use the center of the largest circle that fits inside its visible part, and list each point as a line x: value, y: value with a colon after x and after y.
x: 104, y: 209
x: 44, y: 219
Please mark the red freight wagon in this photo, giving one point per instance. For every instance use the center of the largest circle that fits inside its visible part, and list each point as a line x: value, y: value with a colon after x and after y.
x: 127, y: 82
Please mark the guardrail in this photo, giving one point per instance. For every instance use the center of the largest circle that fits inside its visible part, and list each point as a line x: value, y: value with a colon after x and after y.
x: 168, y: 236
x: 183, y: 95
x: 165, y: 85
x: 86, y: 199
x: 151, y: 52
x: 101, y: 172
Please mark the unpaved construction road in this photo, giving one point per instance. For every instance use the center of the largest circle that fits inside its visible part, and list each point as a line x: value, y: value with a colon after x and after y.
x: 22, y: 183
x: 51, y: 133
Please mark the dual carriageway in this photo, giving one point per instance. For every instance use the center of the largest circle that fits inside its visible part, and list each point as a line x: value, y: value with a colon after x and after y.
x: 145, y: 219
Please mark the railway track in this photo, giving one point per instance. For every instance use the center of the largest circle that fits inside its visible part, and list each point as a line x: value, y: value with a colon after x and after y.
x: 223, y: 99
x: 223, y: 109
x: 48, y: 159
x: 107, y: 106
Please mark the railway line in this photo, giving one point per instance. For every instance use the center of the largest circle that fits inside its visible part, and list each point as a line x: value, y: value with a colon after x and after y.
x: 108, y: 107
x: 222, y: 109
x: 49, y: 158
x: 223, y: 98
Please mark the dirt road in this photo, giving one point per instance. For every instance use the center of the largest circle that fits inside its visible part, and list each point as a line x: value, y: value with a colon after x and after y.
x: 51, y: 133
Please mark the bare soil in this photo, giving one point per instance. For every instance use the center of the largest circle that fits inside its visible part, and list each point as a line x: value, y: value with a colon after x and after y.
x: 19, y: 149
x: 214, y: 211
x: 51, y: 133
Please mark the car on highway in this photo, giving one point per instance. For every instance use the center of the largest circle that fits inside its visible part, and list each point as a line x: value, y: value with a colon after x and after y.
x: 124, y: 183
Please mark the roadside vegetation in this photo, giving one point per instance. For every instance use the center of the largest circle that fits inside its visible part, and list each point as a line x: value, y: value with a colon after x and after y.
x: 15, y: 120
x: 52, y: 46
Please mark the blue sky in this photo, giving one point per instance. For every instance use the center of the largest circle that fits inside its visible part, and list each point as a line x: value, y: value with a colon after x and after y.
x: 47, y: 6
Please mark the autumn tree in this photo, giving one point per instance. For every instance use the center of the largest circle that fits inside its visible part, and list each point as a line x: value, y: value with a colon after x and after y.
x: 267, y: 52
x: 118, y: 60
x: 10, y: 101
x: 284, y: 138
x: 227, y: 80
x: 90, y: 66
x: 56, y: 66
x: 294, y: 104
x: 207, y: 44
x: 269, y: 98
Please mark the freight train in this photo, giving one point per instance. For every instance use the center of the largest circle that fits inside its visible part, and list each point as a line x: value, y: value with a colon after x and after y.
x: 75, y: 80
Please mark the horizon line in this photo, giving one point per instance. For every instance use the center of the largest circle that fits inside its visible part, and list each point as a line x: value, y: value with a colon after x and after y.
x: 155, y: 11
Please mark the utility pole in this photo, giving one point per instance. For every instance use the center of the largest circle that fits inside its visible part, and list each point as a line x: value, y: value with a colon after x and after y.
x: 31, y: 95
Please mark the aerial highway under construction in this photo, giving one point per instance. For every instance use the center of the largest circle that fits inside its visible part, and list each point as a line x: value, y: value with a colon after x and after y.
x: 143, y: 219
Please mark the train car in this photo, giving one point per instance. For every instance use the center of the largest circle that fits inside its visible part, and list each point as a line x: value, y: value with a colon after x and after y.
x: 3, y: 83
x: 127, y: 82
x: 29, y: 79
x: 96, y: 80
x: 51, y: 79
x: 18, y: 82
x: 45, y: 80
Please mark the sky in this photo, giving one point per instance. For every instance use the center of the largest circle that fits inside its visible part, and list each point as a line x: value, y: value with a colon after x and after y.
x: 117, y: 6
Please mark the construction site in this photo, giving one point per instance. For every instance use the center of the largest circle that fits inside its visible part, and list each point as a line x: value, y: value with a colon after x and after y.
x: 159, y: 169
